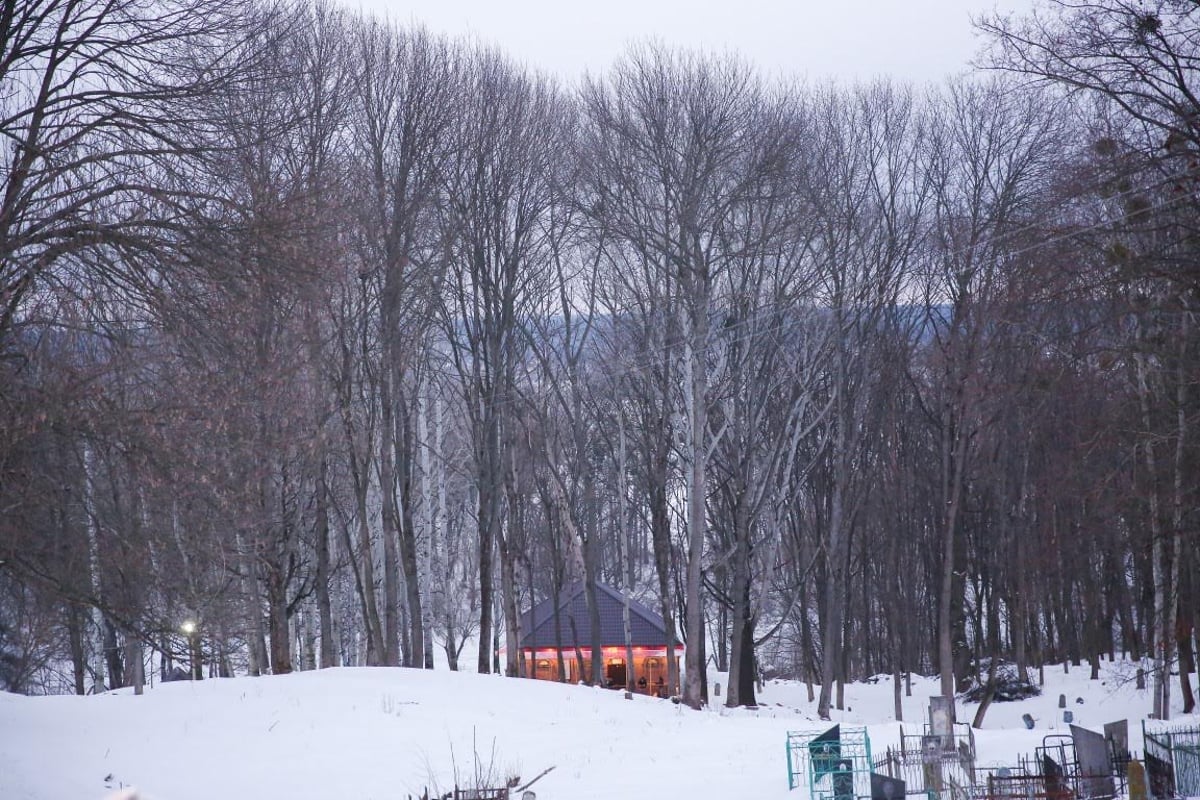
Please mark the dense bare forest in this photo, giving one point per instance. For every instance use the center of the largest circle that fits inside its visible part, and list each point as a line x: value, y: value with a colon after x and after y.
x: 345, y: 343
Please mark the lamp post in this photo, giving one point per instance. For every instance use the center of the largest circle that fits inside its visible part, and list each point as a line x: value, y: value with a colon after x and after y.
x: 192, y: 631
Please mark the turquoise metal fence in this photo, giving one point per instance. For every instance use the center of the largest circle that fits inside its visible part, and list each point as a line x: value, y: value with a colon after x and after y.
x: 834, y: 763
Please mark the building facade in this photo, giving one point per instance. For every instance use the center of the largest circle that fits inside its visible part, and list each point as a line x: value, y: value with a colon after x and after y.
x: 551, y: 629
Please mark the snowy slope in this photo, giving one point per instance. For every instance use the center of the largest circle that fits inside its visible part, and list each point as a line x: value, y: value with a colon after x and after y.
x: 385, y: 733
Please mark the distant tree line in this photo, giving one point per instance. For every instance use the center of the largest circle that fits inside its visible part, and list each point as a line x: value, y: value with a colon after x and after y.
x: 346, y: 342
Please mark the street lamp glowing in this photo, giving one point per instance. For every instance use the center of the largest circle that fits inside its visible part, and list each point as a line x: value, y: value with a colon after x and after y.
x: 193, y: 641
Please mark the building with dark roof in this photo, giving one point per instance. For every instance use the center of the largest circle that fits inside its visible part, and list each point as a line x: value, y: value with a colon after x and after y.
x: 542, y: 637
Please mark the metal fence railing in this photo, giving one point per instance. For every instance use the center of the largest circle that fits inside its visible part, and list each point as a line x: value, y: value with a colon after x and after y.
x: 1172, y: 761
x: 942, y: 767
x: 833, y: 764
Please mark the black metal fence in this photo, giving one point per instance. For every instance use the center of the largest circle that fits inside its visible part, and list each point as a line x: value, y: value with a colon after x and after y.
x: 502, y: 793
x: 1172, y: 761
x: 938, y: 766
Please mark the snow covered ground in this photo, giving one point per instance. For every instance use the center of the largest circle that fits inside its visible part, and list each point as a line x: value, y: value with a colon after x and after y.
x: 346, y: 734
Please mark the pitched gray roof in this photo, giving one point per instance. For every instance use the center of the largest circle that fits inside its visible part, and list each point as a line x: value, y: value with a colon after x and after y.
x: 537, y: 625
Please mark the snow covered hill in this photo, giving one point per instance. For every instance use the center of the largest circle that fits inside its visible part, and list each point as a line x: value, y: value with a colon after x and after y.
x: 386, y: 733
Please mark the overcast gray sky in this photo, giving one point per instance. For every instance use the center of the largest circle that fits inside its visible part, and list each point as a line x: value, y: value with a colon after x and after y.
x: 914, y: 39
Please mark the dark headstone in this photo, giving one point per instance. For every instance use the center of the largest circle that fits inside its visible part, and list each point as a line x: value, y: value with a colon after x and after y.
x: 825, y: 751
x: 1062, y: 701
x: 1095, y: 763
x: 1028, y: 720
x: 843, y: 780
x: 1068, y: 717
x: 885, y: 787
x: 1078, y: 701
x: 1117, y: 734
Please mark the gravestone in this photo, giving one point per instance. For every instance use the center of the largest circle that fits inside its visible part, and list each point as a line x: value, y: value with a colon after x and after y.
x: 825, y: 751
x: 941, y: 720
x: 716, y: 690
x: 1028, y: 720
x: 843, y: 780
x: 1062, y: 701
x: 1095, y: 765
x: 885, y: 787
x: 1068, y: 717
x: 1136, y: 775
x: 1117, y: 734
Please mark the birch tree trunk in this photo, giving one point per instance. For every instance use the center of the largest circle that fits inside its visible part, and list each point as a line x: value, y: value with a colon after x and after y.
x: 696, y: 457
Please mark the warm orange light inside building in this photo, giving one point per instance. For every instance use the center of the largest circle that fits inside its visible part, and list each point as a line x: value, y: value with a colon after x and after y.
x: 649, y: 667
x: 548, y: 653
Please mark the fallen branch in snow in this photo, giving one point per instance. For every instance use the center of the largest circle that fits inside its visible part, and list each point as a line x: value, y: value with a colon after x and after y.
x: 541, y: 775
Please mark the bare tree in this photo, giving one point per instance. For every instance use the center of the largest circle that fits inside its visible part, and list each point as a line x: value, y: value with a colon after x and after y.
x: 672, y: 160
x: 405, y: 105
x: 497, y: 188
x: 1141, y: 60
x: 863, y: 183
x: 991, y: 150
x: 101, y: 98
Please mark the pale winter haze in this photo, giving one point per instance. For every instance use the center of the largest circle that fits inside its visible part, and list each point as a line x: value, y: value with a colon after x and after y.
x: 921, y: 40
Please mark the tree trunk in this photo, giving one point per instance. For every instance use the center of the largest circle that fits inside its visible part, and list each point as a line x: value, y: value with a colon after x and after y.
x: 430, y: 521
x: 747, y: 664
x: 277, y: 623
x: 391, y: 532
x: 252, y: 592
x: 134, y: 665
x: 741, y: 666
x: 897, y: 699
x: 489, y: 478
x: 954, y: 446
x: 95, y: 582
x: 508, y: 601
x: 835, y: 580
x: 361, y: 565
x: 1161, y: 634
x: 321, y: 534
x: 696, y: 381
x: 624, y: 557
x: 591, y: 558
x: 114, y: 658
x: 75, y: 624
x: 660, y: 536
